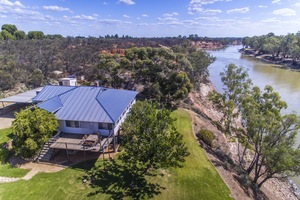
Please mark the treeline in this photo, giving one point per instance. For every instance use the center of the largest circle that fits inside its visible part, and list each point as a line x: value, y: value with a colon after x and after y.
x: 11, y: 32
x: 141, y: 62
x: 151, y: 65
x: 164, y: 74
x: 280, y: 47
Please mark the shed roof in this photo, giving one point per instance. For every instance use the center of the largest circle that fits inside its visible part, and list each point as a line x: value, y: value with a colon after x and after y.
x: 25, y: 97
x: 82, y: 103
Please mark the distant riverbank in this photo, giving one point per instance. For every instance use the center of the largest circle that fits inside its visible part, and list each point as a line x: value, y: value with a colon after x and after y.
x: 280, y: 62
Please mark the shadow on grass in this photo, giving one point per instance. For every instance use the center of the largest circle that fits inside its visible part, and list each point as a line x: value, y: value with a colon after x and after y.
x: 118, y: 181
x: 86, y: 165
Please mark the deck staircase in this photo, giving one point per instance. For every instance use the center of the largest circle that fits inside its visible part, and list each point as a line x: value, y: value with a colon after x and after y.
x: 46, y: 153
x: 104, y: 144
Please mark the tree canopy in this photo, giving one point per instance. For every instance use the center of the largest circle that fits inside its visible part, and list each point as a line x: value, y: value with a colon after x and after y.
x: 151, y: 140
x: 163, y: 74
x: 32, y: 128
x: 256, y: 118
x: 11, y: 28
x: 283, y: 46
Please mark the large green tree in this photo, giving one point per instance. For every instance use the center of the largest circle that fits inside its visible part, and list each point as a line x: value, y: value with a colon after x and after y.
x: 151, y: 141
x: 20, y: 35
x: 32, y: 128
x: 35, y: 35
x: 271, y: 135
x: 200, y: 60
x: 7, y: 81
x: 236, y: 84
x: 256, y: 117
x: 11, y: 28
x: 7, y: 36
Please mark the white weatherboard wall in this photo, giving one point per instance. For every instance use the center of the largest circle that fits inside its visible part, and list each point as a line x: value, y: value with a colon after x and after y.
x: 84, y: 128
x: 92, y: 127
x: 123, y: 117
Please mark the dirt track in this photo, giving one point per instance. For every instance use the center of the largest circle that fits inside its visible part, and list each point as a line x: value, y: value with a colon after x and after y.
x: 7, y: 114
x: 5, y: 122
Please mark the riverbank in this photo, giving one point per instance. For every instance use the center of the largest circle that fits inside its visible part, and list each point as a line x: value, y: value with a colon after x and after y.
x: 285, y: 63
x: 203, y: 113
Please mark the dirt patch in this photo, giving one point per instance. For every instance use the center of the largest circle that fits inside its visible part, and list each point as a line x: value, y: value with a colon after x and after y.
x: 7, y: 114
x: 5, y: 122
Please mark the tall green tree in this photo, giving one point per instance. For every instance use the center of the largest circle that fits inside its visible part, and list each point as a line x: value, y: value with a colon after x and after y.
x: 200, y: 60
x: 35, y: 35
x: 176, y: 87
x: 7, y: 81
x: 151, y: 141
x: 269, y: 137
x: 11, y: 28
x: 271, y: 134
x: 31, y: 129
x: 36, y: 78
x: 236, y: 86
x: 20, y: 35
x: 6, y: 35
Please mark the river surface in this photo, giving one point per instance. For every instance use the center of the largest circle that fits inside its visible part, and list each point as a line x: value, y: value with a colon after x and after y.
x: 284, y: 81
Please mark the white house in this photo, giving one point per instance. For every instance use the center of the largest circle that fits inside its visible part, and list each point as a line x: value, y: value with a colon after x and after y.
x: 85, y: 110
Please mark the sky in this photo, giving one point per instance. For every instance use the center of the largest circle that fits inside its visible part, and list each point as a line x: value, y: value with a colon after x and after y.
x: 153, y: 18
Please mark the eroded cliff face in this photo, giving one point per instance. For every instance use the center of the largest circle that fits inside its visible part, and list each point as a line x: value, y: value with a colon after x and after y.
x: 203, y: 115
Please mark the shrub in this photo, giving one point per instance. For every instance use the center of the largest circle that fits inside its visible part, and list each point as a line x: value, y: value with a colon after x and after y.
x: 4, y: 154
x: 206, y: 136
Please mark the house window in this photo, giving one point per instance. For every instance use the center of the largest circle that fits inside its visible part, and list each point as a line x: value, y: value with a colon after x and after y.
x: 73, y: 124
x: 105, y: 126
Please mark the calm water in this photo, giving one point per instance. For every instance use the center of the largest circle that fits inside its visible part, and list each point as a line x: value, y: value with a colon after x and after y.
x: 286, y: 82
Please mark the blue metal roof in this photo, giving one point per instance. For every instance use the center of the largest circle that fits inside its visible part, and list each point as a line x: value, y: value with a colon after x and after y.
x: 115, y: 101
x: 50, y: 91
x: 81, y: 103
x: 52, y: 105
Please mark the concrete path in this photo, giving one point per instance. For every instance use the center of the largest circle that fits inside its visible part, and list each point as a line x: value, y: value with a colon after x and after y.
x: 34, y: 169
x: 8, y: 179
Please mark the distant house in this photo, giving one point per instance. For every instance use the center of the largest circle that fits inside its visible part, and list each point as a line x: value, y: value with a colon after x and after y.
x: 84, y: 110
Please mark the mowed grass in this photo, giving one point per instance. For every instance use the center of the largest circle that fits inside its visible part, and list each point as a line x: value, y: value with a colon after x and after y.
x: 198, y: 179
x: 66, y: 184
x: 5, y: 169
x: 4, y: 134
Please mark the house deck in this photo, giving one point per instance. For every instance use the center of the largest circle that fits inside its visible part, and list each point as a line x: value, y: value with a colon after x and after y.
x: 79, y: 142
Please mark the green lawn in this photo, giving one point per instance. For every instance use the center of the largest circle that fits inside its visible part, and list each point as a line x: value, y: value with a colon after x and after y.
x: 5, y: 169
x: 198, y: 179
x: 4, y: 133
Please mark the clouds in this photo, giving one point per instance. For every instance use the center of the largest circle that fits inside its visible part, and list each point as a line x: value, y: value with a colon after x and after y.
x: 170, y: 14
x: 130, y: 17
x: 127, y: 2
x: 56, y: 8
x: 197, y: 5
x: 9, y: 3
x: 276, y: 2
x: 284, y: 12
x: 238, y: 10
